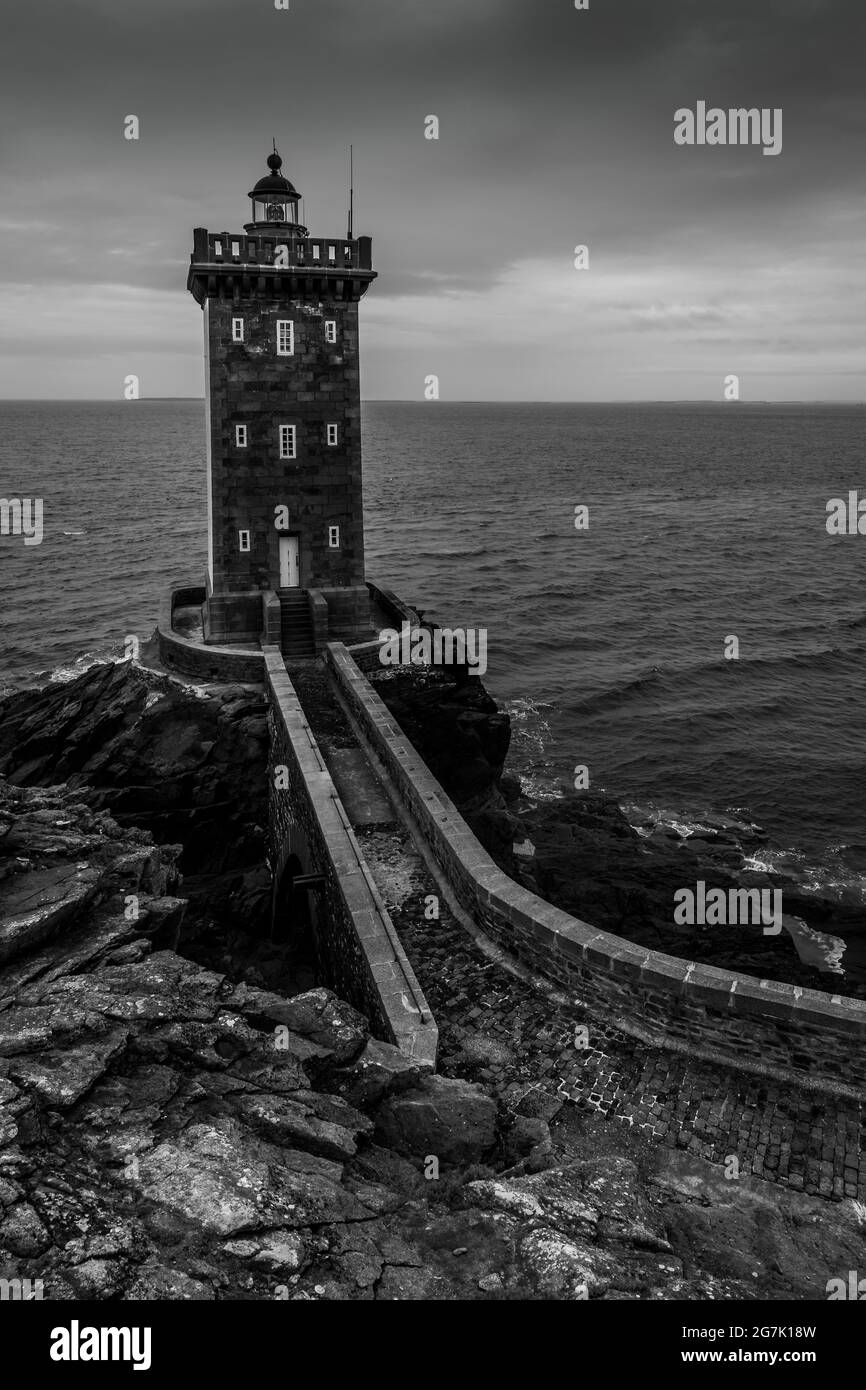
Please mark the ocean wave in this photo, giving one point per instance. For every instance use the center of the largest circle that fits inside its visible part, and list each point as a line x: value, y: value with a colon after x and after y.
x: 61, y: 675
x: 619, y: 694
x: 820, y: 872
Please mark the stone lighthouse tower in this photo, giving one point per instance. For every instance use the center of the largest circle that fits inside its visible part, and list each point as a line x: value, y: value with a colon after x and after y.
x: 282, y: 385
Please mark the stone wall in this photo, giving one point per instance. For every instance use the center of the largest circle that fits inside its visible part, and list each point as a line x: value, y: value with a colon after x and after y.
x: 193, y: 658
x: 391, y: 604
x: 805, y: 1036
x: 366, y: 654
x: 360, y: 954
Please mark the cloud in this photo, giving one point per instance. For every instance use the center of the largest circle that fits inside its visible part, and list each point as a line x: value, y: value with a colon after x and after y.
x: 556, y: 129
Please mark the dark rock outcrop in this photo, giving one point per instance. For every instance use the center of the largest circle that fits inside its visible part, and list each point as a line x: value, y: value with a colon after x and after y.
x: 189, y: 768
x: 453, y: 1120
x: 463, y: 737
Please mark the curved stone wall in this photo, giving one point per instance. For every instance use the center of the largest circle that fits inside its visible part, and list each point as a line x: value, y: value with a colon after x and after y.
x: 813, y: 1038
x: 196, y: 659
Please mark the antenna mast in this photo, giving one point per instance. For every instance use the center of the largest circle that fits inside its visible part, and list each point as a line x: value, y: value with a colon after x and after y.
x: 351, y: 188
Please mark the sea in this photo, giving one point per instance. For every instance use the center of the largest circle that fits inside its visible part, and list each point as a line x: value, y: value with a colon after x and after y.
x: 609, y: 632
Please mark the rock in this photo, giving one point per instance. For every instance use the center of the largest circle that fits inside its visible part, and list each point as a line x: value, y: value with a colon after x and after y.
x: 585, y: 1199
x: 278, y: 1252
x: 375, y: 1196
x: 458, y: 729
x: 463, y: 738
x: 507, y: 1197
x: 407, y: 1285
x: 285, y: 1074
x: 387, y: 1169
x: 561, y: 1269
x: 10, y: 1193
x: 377, y: 1071
x: 159, y: 1283
x: 22, y: 1232
x: 97, y: 1279
x: 213, y: 1176
x: 185, y: 766
x: 453, y: 1120
x: 319, y: 1016
x: 396, y: 1251
x: 61, y: 1079
x: 529, y: 1144
x: 161, y: 921
x: 491, y: 1283
x: 117, y: 1238
x: 360, y: 1269
x: 285, y: 1120
x: 43, y: 904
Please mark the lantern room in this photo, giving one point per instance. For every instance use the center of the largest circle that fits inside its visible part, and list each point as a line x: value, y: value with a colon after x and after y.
x: 275, y: 202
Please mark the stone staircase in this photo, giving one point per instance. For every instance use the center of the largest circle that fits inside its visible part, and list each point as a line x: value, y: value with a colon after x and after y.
x: 296, y: 626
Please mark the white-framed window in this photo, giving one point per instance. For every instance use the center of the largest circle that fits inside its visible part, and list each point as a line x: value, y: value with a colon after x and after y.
x: 288, y: 441
x: 332, y: 434
x: 317, y: 252
x: 244, y: 542
x: 236, y: 248
x: 332, y: 253
x: 240, y: 436
x: 330, y: 330
x: 334, y: 537
x: 285, y: 338
x: 348, y: 252
x: 237, y: 330
x: 217, y: 248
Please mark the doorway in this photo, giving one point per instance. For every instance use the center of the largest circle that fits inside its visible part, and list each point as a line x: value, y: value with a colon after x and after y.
x: 290, y: 566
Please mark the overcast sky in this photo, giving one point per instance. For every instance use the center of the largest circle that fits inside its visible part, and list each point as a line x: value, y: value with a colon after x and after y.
x: 556, y: 129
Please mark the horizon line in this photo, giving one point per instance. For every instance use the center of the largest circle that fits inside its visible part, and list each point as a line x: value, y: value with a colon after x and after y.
x: 468, y: 400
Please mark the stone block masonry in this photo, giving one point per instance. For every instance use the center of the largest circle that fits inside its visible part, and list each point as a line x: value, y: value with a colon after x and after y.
x: 802, y: 1036
x: 360, y: 955
x: 252, y: 387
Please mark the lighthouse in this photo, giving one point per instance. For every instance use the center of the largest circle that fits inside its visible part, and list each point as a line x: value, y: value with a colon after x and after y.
x: 282, y: 388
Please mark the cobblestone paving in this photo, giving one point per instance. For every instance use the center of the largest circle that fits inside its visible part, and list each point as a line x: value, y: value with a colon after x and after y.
x: 502, y: 1030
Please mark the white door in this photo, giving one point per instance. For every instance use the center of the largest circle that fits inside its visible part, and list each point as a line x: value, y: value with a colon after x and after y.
x: 290, y: 569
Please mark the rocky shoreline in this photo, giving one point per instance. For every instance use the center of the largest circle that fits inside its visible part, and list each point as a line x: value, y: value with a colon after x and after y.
x: 179, y: 1121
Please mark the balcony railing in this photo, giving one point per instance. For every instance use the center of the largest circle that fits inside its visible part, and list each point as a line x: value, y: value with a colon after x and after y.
x: 303, y: 253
